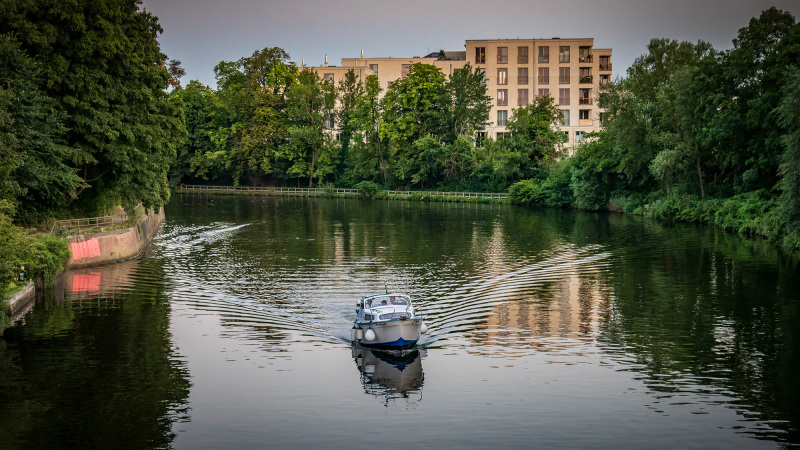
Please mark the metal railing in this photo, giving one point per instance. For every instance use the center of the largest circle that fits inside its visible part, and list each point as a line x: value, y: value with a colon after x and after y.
x: 90, y: 225
x: 316, y: 192
x: 605, y: 66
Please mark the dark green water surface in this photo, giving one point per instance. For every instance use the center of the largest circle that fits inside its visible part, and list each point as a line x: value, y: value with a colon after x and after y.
x: 548, y: 329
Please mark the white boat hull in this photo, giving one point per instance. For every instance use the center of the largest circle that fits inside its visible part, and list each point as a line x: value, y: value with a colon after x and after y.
x: 391, y: 334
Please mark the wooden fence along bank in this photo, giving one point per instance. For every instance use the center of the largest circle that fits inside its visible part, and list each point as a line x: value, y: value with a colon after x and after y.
x: 322, y: 192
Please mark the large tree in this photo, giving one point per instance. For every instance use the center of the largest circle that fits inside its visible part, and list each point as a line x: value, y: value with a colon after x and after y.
x: 102, y: 64
x: 310, y: 105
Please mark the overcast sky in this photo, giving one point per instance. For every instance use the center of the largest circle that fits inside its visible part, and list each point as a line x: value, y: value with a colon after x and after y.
x: 201, y: 33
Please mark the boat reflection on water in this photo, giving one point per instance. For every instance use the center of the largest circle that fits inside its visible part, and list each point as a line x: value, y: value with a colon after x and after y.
x: 390, y: 374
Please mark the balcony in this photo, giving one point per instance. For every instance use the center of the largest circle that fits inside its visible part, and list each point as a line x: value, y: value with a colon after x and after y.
x: 586, y: 79
x: 585, y: 122
x: 584, y: 101
x: 585, y: 58
x: 605, y: 67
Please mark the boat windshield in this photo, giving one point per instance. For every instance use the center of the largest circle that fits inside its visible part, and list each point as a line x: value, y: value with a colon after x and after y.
x: 386, y: 300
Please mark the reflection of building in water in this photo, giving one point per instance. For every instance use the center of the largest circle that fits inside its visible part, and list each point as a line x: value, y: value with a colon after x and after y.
x: 562, y: 314
x: 390, y: 375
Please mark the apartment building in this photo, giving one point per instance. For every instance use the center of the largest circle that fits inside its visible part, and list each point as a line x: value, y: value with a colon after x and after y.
x: 516, y: 71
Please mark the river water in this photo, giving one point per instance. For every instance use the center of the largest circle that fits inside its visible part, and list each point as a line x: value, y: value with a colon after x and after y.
x: 554, y: 329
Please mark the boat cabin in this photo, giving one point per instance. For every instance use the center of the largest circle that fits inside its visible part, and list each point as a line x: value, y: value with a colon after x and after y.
x: 385, y: 307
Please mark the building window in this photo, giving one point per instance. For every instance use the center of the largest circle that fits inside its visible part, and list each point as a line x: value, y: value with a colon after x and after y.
x: 405, y: 69
x: 543, y: 93
x: 585, y: 75
x: 604, y: 80
x: 502, y: 97
x: 339, y: 137
x: 605, y: 63
x: 482, y: 71
x: 579, y: 136
x: 522, y: 75
x: 563, y: 54
x: 584, y: 54
x: 522, y: 55
x: 566, y: 136
x: 544, y: 54
x: 328, y: 78
x: 544, y: 75
x: 585, y: 96
x: 502, y: 118
x: 500, y: 136
x: 583, y: 114
x: 480, y: 55
x: 563, y: 96
x: 480, y: 136
x: 522, y: 97
x: 374, y: 68
x: 502, y: 76
x: 502, y: 55
x: 565, y: 117
x: 563, y: 75
x: 329, y: 123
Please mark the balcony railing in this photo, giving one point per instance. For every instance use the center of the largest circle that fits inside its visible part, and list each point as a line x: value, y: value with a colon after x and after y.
x: 584, y: 101
x: 585, y: 58
x: 544, y: 80
x: 586, y: 79
x: 585, y: 122
x: 606, y: 66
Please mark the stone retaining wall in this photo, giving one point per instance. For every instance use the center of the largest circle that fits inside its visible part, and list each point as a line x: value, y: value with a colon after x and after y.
x: 92, y: 249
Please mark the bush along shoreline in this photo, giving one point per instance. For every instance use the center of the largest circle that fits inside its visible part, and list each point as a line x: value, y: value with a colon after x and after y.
x: 696, y: 135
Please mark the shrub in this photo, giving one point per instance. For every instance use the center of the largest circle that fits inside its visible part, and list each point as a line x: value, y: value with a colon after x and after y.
x: 368, y: 189
x: 526, y: 192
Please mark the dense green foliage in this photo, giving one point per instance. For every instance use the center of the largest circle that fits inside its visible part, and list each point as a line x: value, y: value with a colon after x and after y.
x: 697, y: 135
x: 279, y: 129
x: 86, y: 122
x: 101, y: 69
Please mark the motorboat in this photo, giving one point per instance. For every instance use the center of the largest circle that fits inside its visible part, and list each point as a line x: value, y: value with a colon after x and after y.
x: 387, y: 321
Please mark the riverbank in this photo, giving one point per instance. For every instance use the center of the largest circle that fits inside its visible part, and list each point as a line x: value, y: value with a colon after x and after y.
x: 94, y: 249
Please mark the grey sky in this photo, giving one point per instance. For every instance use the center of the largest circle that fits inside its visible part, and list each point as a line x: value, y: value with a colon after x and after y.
x: 201, y: 33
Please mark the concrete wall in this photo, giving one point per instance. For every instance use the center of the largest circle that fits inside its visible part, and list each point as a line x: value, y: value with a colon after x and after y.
x: 92, y: 249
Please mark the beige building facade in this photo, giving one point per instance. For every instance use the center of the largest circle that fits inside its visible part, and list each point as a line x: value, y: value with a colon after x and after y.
x: 571, y: 71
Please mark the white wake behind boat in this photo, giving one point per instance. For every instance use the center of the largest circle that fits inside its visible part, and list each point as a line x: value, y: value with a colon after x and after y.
x: 387, y: 321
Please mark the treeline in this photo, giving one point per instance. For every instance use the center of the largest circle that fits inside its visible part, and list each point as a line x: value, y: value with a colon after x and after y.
x: 86, y: 121
x: 270, y: 122
x: 698, y: 135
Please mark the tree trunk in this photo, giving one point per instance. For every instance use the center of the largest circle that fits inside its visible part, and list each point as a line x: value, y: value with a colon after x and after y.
x: 699, y: 171
x: 313, y: 163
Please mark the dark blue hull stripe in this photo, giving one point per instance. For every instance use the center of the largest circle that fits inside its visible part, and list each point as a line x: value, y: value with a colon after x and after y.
x: 400, y: 343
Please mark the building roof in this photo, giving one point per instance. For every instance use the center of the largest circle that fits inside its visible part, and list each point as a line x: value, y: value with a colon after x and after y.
x: 450, y: 55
